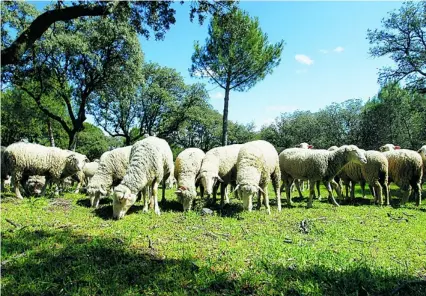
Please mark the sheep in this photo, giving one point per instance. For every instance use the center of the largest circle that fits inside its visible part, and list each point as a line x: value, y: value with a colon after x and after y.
x: 405, y: 170
x: 219, y: 165
x: 304, y: 146
x: 187, y: 167
x: 316, y: 165
x: 25, y: 159
x: 83, y: 177
x: 112, y: 168
x: 151, y: 159
x: 257, y: 164
x: 35, y: 185
x: 389, y: 147
x: 374, y: 172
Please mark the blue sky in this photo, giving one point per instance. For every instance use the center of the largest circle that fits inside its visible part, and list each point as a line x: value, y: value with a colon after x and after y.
x: 325, y: 58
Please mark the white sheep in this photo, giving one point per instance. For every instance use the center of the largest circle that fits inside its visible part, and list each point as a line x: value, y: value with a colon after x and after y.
x: 26, y: 159
x: 374, y: 172
x: 35, y: 184
x: 316, y: 165
x: 389, y: 147
x: 406, y: 170
x: 151, y: 159
x: 219, y: 165
x: 112, y: 168
x: 187, y: 167
x: 257, y: 164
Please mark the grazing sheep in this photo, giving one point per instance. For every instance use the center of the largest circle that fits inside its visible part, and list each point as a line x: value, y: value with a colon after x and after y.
x: 257, y: 164
x: 374, y: 172
x: 150, y: 161
x: 219, y: 165
x: 187, y: 167
x: 26, y: 159
x: 406, y: 170
x: 112, y: 168
x: 34, y: 185
x: 316, y: 165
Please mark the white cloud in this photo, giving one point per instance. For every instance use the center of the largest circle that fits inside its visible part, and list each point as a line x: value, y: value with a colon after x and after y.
x: 338, y: 49
x: 217, y: 95
x: 324, y: 51
x: 303, y: 59
x: 280, y: 108
x: 301, y: 71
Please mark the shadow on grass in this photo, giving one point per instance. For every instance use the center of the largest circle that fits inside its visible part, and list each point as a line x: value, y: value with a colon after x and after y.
x: 85, y: 201
x: 57, y: 262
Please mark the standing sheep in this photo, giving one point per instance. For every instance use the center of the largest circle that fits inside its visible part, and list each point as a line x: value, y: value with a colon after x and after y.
x: 317, y: 165
x: 112, y: 168
x: 406, y: 170
x: 150, y: 161
x: 257, y: 164
x: 26, y: 159
x: 374, y: 172
x: 187, y: 167
x: 219, y: 165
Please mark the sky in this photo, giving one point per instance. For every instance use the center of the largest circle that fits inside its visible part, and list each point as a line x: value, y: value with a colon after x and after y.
x: 325, y: 57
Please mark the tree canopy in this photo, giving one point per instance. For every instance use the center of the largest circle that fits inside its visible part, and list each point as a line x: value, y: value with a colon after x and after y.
x: 236, y: 55
x: 403, y: 39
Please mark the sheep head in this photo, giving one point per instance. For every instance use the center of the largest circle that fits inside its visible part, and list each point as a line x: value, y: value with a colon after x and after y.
x: 209, y: 180
x: 185, y: 196
x: 75, y: 162
x: 122, y: 200
x: 247, y: 192
x: 389, y: 147
x: 354, y: 154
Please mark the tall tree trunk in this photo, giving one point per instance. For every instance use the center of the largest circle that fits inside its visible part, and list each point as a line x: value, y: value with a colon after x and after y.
x: 72, y: 140
x: 50, y: 131
x: 225, y: 118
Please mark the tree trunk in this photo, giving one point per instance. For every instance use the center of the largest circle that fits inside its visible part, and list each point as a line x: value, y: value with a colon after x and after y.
x: 50, y: 131
x: 72, y: 140
x: 225, y: 118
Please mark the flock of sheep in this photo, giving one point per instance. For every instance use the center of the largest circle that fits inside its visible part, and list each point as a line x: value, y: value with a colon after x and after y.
x: 248, y: 168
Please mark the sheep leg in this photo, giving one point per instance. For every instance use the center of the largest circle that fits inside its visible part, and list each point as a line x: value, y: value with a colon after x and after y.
x: 405, y: 192
x: 145, y: 194
x: 259, y: 200
x: 163, y: 193
x: 154, y: 196
x: 16, y: 181
x: 266, y: 199
x: 362, y: 183
x: 215, y: 187
x: 222, y: 194
x: 330, y: 191
x: 318, y: 189
x: 276, y: 185
x: 226, y: 194
x: 352, y: 191
x: 311, y: 193
x: 417, y: 193
x: 201, y: 191
x: 378, y: 198
x: 288, y: 192
x: 297, y: 183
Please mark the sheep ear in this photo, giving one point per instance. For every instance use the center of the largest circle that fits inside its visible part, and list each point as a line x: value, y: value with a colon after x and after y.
x: 397, y: 147
x: 310, y: 146
x: 260, y: 189
x: 219, y: 179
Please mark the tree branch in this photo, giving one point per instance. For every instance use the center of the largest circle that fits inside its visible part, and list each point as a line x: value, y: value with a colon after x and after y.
x: 14, y: 52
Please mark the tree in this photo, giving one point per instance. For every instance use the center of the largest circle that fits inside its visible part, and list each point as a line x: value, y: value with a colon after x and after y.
x: 403, y: 39
x: 141, y: 15
x: 236, y: 56
x: 74, y: 62
x: 92, y: 142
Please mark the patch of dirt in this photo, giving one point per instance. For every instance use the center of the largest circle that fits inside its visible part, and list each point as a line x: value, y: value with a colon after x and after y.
x: 59, y: 204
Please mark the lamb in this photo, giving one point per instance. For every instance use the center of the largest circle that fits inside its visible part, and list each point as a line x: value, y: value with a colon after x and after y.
x: 317, y: 165
x: 406, y: 171
x: 219, y: 165
x: 35, y: 184
x: 112, y: 168
x: 26, y: 159
x: 187, y: 167
x: 257, y: 164
x: 374, y: 172
x: 151, y: 159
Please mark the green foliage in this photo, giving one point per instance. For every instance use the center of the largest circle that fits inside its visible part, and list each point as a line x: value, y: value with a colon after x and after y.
x: 61, y: 246
x: 21, y: 119
x: 91, y: 142
x: 403, y: 39
x: 236, y: 56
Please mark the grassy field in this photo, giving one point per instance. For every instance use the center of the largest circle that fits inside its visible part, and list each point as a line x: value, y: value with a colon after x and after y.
x: 60, y: 246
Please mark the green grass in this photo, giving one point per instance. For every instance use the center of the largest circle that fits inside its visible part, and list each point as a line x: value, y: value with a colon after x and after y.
x: 60, y: 246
